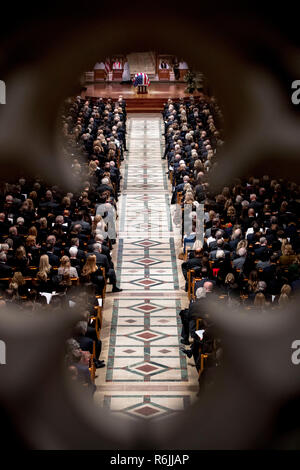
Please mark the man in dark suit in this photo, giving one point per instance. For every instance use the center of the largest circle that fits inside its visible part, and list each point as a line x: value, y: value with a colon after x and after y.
x: 176, y: 70
x: 254, y: 204
x: 4, y: 224
x: 105, y: 187
x: 86, y: 343
x: 115, y: 174
x: 206, y: 293
x: 192, y: 263
x: 251, y: 217
x: 53, y: 259
x: 236, y: 237
x: 239, y: 262
x: 52, y: 251
x: 76, y: 232
x: 219, y: 244
x: 179, y: 188
x: 17, y: 240
x: 104, y: 248
x: 81, y: 256
x: 262, y: 249
x: 80, y: 221
x: 197, y: 311
x: 5, y: 270
x: 48, y: 203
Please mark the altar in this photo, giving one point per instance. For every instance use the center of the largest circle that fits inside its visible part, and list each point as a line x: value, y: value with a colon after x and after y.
x: 123, y: 68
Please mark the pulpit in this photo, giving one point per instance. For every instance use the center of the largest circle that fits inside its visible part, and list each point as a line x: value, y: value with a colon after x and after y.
x: 99, y: 72
x: 117, y: 74
x: 164, y: 74
x: 100, y: 75
x: 117, y: 69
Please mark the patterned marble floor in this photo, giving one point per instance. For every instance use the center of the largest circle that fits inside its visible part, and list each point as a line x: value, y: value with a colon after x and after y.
x: 147, y: 376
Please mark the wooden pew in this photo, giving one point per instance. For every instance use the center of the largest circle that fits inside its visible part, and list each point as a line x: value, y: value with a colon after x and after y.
x: 92, y: 367
x: 203, y: 358
x: 105, y: 282
x: 190, y: 274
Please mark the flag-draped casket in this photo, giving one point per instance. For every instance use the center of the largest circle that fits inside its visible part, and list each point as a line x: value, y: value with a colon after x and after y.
x: 141, y: 79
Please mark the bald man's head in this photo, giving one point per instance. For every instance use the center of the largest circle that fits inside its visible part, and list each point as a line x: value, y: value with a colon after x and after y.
x: 208, y: 286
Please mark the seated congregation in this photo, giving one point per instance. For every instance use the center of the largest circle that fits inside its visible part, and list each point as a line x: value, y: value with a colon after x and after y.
x: 56, y: 247
x: 249, y: 256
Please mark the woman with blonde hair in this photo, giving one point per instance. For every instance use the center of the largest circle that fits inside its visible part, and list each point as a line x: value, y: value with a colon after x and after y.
x: 286, y: 289
x: 231, y: 287
x: 231, y: 212
x: 65, y: 273
x: 65, y: 267
x: 285, y: 295
x: 18, y: 284
x: 189, y: 198
x: 283, y: 299
x: 18, y: 278
x: 260, y: 301
x: 97, y: 219
x: 187, y: 188
x: 90, y: 266
x: 91, y: 273
x: 42, y: 283
x: 241, y: 244
x: 44, y: 264
x: 288, y: 256
x: 229, y: 279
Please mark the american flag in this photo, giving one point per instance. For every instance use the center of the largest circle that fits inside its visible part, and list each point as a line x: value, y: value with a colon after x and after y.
x: 107, y: 65
x: 141, y: 79
x: 117, y: 65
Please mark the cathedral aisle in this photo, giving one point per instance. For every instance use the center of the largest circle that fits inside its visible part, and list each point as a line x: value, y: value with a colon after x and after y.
x: 146, y: 376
